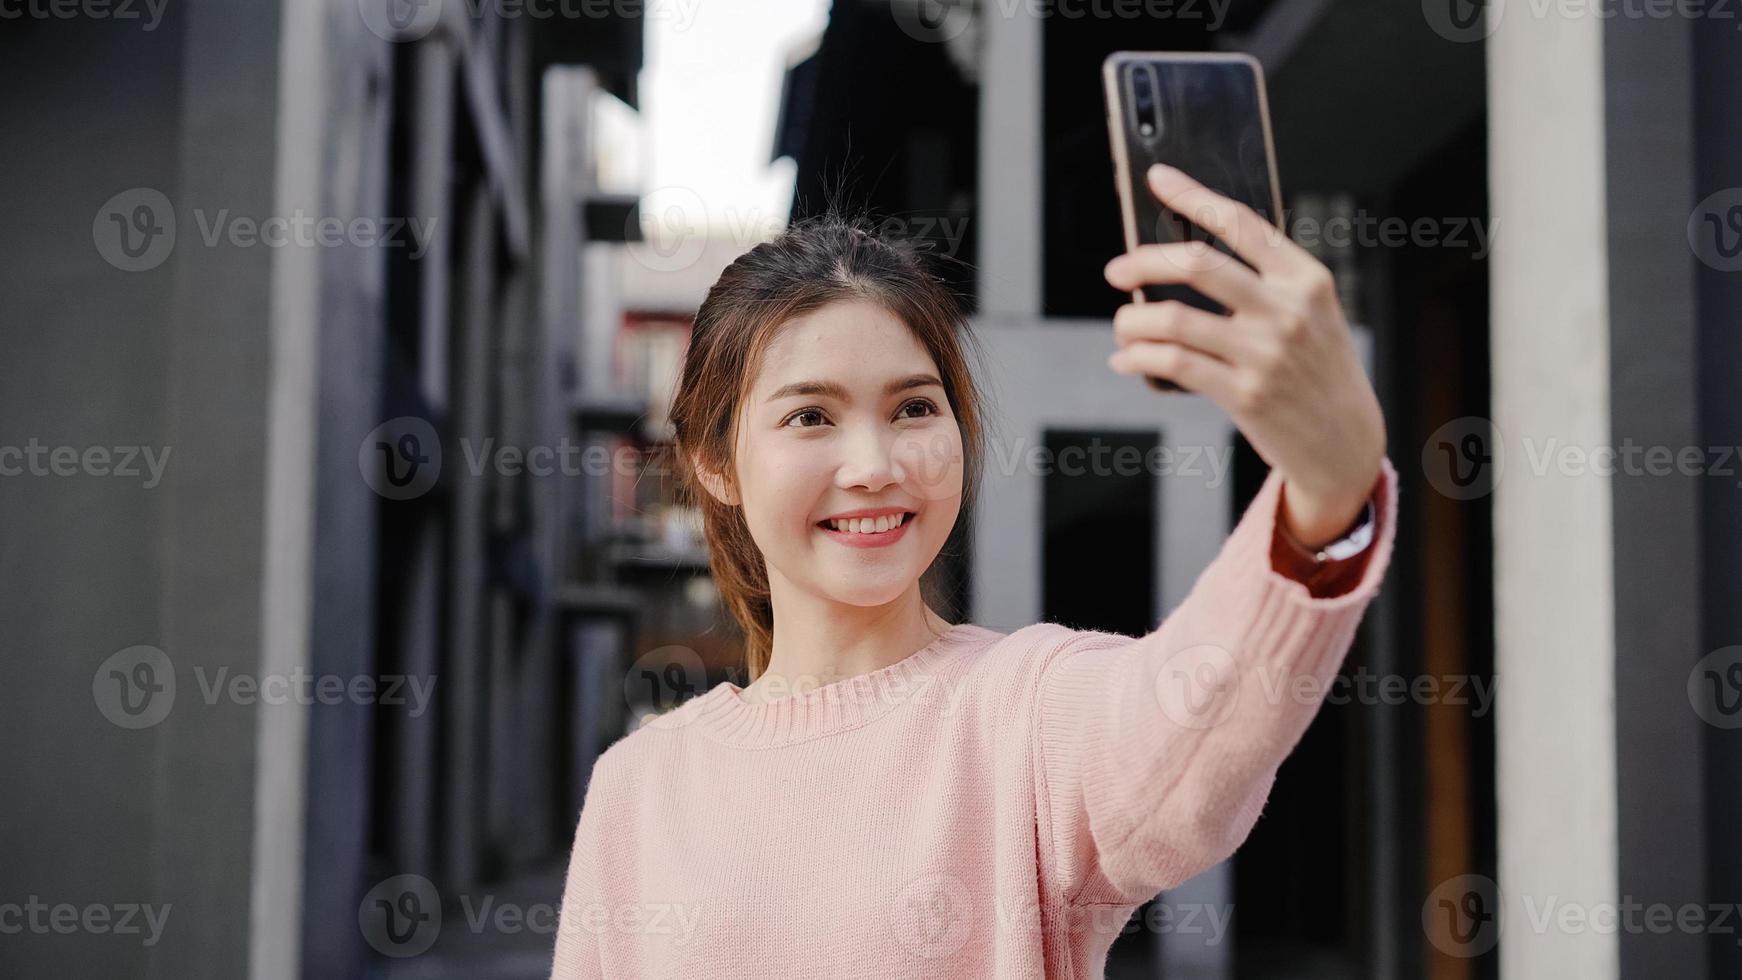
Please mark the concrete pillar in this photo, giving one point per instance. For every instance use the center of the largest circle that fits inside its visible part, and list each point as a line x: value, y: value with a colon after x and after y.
x: 1010, y: 166
x: 1554, y: 582
x: 204, y: 349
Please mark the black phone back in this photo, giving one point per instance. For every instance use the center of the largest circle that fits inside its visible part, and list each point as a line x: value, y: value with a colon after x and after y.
x: 1204, y: 114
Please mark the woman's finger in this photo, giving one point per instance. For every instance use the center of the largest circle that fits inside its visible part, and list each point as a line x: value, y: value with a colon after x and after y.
x: 1209, y: 270
x: 1244, y: 230
x: 1171, y: 320
x: 1193, y: 370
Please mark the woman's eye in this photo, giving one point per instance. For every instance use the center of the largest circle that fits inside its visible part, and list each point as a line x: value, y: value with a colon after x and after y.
x: 795, y: 420
x: 925, y: 403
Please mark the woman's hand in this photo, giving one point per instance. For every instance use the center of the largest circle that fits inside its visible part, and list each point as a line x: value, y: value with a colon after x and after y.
x: 1281, y: 362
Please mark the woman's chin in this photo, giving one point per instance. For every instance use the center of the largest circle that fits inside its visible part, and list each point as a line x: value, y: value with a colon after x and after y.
x: 880, y: 591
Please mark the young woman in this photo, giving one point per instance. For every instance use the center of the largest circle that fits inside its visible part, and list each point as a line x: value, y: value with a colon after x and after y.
x: 898, y: 796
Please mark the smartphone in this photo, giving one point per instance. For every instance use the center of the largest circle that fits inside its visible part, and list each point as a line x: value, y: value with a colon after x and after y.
x: 1204, y: 113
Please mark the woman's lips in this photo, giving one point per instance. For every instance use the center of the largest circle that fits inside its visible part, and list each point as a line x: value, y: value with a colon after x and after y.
x: 881, y: 539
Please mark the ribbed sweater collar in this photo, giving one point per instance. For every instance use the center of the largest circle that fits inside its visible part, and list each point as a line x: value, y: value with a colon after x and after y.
x: 724, y: 716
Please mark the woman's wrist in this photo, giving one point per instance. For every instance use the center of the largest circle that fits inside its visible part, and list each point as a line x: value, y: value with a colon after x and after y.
x: 1314, y: 519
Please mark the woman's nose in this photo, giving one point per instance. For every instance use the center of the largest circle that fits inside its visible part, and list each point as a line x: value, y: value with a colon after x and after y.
x: 869, y: 461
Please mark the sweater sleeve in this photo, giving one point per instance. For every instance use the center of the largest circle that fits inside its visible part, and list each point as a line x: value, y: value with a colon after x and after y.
x: 1156, y: 754
x: 578, y: 956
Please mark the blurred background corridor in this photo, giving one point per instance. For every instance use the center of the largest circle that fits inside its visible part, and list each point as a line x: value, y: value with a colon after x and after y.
x: 337, y: 526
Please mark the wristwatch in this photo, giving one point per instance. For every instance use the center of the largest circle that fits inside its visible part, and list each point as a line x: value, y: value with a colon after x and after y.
x: 1352, y: 543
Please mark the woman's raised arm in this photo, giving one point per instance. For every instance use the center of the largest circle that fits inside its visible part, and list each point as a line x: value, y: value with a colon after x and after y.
x: 1157, y: 754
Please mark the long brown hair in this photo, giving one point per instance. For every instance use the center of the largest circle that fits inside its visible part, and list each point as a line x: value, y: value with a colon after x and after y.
x: 814, y: 262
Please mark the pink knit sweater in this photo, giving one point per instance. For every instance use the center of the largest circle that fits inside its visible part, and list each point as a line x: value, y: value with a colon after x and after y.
x: 995, y: 805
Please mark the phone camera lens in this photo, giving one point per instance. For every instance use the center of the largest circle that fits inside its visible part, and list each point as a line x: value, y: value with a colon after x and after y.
x: 1145, y: 101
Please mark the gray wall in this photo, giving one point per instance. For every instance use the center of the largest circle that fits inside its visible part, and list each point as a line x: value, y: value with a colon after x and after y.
x: 174, y: 357
x: 1654, y: 401
x: 1716, y: 96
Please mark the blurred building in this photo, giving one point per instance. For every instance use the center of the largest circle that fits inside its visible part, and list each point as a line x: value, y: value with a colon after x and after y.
x: 366, y: 294
x: 328, y: 255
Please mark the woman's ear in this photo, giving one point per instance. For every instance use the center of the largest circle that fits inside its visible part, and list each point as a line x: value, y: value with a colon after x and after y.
x: 718, y: 487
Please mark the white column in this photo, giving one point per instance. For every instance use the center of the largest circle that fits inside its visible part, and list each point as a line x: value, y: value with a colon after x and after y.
x: 280, y: 775
x: 1553, y: 575
x: 1010, y: 163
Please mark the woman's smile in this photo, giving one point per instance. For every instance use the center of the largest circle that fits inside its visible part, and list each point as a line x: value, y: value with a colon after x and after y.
x: 868, y: 532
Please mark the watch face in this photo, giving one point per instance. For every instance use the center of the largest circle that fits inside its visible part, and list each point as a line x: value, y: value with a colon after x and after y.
x: 1355, y: 541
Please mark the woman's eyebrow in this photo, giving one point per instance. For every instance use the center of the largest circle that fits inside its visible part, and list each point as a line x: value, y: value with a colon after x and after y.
x: 838, y: 391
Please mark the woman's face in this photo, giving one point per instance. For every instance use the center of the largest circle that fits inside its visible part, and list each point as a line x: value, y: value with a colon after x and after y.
x: 848, y: 413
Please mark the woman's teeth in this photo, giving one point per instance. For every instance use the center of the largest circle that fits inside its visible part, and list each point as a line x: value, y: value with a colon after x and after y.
x: 868, y: 525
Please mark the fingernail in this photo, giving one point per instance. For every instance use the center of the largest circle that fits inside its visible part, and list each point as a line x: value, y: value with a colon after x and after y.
x: 1159, y: 170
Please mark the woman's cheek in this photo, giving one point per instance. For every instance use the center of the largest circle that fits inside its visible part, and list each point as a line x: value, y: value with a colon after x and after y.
x: 931, y: 461
x: 801, y: 479
x: 776, y: 505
